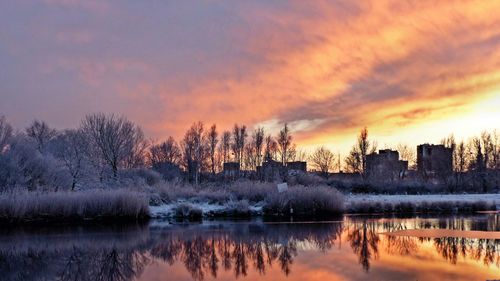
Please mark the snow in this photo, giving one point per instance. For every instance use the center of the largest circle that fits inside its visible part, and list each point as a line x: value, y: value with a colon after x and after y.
x: 429, y: 198
x: 167, y: 210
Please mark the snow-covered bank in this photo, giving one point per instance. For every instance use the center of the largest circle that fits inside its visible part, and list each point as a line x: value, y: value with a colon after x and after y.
x: 207, y: 209
x: 360, y: 203
x: 430, y: 198
x: 368, y: 203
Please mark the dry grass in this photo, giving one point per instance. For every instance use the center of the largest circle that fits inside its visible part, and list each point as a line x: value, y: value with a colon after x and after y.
x: 319, y: 200
x: 70, y: 206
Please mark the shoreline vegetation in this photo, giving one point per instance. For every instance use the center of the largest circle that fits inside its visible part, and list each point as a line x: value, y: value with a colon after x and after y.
x: 235, y: 200
x: 73, y: 207
x: 107, y: 169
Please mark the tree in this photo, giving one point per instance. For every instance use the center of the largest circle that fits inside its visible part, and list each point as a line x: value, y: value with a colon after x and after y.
x: 225, y: 146
x: 496, y: 150
x: 488, y: 147
x: 239, y: 137
x: 270, y: 149
x: 353, y: 161
x: 323, y: 160
x: 477, y: 163
x: 165, y: 152
x: 356, y: 160
x: 5, y: 133
x: 406, y: 153
x: 284, y: 142
x: 460, y: 162
x: 301, y: 155
x: 212, y: 137
x: 69, y: 148
x: 194, y: 148
x: 41, y: 133
x: 115, y: 139
x: 258, y: 142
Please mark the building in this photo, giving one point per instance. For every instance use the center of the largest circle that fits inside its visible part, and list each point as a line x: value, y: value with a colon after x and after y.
x: 297, y: 165
x: 386, y: 164
x: 231, y: 170
x: 434, y: 159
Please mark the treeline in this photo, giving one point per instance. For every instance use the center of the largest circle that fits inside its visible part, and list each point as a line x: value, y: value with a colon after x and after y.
x: 476, y: 162
x: 111, y: 150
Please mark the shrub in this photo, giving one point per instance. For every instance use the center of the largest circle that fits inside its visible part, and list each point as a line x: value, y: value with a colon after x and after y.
x: 319, y: 200
x: 66, y: 206
x: 251, y: 191
x: 237, y: 208
x: 185, y: 210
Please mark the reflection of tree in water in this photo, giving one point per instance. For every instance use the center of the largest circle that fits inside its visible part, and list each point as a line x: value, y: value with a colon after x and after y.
x: 202, y: 254
x: 205, y: 250
x: 364, y: 243
x: 485, y: 250
x: 117, y: 256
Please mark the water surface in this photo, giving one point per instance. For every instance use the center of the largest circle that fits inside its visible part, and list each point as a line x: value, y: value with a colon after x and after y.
x: 351, y: 248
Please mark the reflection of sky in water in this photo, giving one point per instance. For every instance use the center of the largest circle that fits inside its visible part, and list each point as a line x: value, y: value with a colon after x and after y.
x: 350, y: 250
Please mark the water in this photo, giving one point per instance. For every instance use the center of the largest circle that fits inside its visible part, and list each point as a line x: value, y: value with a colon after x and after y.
x: 351, y: 248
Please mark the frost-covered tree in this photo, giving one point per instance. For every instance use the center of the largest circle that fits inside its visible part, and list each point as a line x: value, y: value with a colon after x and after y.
x: 5, y: 133
x: 41, y: 133
x: 115, y: 140
x: 22, y: 165
x: 70, y: 148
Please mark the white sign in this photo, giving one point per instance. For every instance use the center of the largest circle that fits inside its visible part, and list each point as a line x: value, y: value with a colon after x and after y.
x: 282, y: 187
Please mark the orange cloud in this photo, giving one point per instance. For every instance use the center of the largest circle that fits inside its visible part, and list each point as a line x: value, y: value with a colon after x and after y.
x: 326, y: 67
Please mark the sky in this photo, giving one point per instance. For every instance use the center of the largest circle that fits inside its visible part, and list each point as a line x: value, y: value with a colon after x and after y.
x: 410, y: 71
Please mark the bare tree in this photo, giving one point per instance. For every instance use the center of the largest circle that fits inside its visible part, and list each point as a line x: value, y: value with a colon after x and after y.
x: 460, y: 163
x: 496, y: 150
x: 356, y: 160
x: 41, y: 133
x: 477, y: 163
x: 250, y: 158
x: 258, y: 142
x: 284, y: 142
x: 353, y: 161
x: 213, y: 139
x: 301, y: 155
x: 271, y: 149
x: 194, y: 148
x: 165, y: 152
x: 5, y: 133
x: 114, y: 138
x: 239, y: 137
x: 488, y: 149
x: 138, y: 146
x: 69, y: 147
x: 225, y: 146
x: 323, y: 160
x: 406, y: 153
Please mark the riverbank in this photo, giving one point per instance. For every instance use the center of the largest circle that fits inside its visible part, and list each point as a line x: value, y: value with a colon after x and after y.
x: 238, y: 200
x: 66, y: 206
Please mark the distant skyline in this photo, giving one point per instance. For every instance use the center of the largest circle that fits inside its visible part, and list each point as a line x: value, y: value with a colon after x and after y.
x: 411, y: 71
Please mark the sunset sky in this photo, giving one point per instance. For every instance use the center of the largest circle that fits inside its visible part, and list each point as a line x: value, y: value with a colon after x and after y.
x: 411, y: 71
